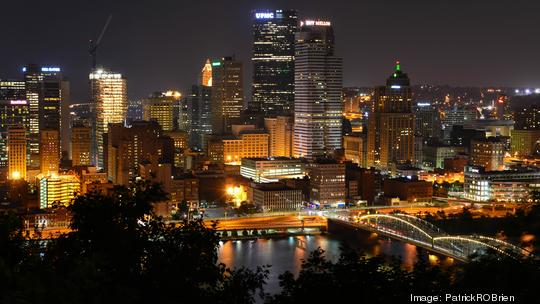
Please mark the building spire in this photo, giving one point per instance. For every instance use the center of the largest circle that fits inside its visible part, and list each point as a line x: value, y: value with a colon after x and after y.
x: 398, y: 66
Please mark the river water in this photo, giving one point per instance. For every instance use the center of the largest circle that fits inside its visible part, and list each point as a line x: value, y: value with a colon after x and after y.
x: 286, y: 254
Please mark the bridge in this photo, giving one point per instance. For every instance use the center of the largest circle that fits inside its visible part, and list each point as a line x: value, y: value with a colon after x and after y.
x: 399, y: 226
x: 416, y: 231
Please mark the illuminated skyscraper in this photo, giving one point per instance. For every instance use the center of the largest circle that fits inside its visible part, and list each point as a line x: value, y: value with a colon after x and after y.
x: 49, y: 151
x: 206, y: 74
x: 13, y: 112
x: 200, y: 109
x: 318, y: 83
x: 17, y: 152
x: 160, y: 107
x: 273, y: 60
x: 227, y: 93
x: 46, y: 92
x: 391, y: 123
x: 81, y: 145
x: 109, y: 94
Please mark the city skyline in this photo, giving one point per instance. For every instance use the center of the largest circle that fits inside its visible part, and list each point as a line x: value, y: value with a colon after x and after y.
x: 459, y: 44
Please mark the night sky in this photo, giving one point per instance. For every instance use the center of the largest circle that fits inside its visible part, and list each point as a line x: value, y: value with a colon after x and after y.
x: 162, y: 44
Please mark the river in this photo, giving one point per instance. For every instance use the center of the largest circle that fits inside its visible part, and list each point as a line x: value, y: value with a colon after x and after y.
x: 287, y: 253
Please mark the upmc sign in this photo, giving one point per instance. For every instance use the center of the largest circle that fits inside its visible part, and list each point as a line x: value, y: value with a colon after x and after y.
x: 264, y: 15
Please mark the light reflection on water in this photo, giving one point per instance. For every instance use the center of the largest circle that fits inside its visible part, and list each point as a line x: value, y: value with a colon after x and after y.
x: 286, y: 254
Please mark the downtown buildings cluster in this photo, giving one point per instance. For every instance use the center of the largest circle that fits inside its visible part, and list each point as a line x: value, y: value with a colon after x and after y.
x: 300, y: 140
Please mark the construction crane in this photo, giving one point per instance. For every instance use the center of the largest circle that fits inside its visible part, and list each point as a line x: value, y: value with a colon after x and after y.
x: 94, y: 45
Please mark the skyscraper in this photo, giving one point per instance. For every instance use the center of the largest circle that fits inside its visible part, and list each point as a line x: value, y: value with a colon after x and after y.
x: 13, y: 112
x: 129, y: 147
x: 227, y: 93
x: 81, y: 145
x: 200, y: 109
x: 46, y: 92
x: 159, y: 107
x: 206, y: 74
x: 17, y: 152
x: 273, y: 60
x: 391, y: 123
x: 109, y: 95
x: 318, y: 84
x: 49, y: 151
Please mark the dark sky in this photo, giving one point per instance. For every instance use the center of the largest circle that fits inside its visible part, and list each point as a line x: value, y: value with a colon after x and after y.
x: 162, y: 44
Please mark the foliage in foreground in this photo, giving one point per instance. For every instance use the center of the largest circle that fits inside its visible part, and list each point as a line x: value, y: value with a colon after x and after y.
x: 120, y: 252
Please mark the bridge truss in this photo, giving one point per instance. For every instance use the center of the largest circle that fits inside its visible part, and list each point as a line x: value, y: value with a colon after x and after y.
x: 420, y: 232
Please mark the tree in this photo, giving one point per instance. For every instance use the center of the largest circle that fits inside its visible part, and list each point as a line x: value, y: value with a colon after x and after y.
x: 120, y: 251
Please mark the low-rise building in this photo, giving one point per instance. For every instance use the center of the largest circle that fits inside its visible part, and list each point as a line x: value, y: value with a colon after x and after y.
x: 508, y: 186
x: 327, y: 182
x: 271, y: 197
x: 407, y: 189
x: 58, y: 189
x: 267, y: 170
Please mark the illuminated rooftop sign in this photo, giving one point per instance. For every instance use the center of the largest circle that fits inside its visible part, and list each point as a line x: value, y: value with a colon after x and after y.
x: 396, y: 87
x: 18, y: 102
x: 216, y: 63
x: 315, y: 23
x: 264, y: 15
x: 50, y: 69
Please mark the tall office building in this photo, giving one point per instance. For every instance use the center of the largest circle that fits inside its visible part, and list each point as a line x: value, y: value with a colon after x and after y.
x: 109, y: 95
x: 47, y: 92
x: 49, y: 151
x: 227, y: 93
x: 199, y: 106
x: 391, y: 123
x: 206, y: 74
x: 428, y: 122
x: 128, y: 147
x: 273, y: 61
x: 13, y: 112
x: 81, y: 145
x: 17, y: 151
x: 160, y: 107
x: 281, y: 135
x: 318, y: 83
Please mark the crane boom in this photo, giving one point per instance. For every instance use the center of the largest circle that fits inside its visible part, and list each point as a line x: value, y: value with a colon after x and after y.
x: 94, y: 45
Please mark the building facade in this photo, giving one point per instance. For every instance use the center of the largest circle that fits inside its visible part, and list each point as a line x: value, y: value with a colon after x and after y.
x: 17, y: 152
x: 327, y: 183
x: 49, y: 151
x: 488, y: 153
x: 267, y: 170
x: 508, y: 186
x: 58, y: 189
x: 318, y: 82
x: 273, y: 61
x: 160, y: 107
x: 271, y: 197
x: 227, y: 97
x: 391, y: 123
x: 109, y: 95
x: 281, y: 132
x: 81, y: 145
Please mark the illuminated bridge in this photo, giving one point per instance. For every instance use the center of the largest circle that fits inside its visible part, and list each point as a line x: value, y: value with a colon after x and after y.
x: 416, y: 231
